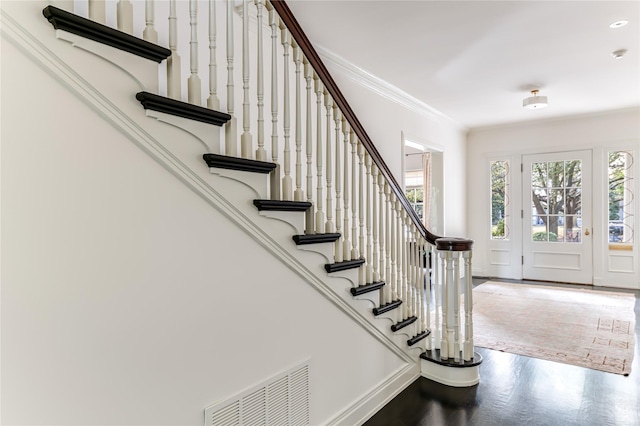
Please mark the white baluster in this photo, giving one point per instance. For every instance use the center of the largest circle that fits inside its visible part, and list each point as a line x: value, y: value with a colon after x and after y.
x: 97, y: 11
x: 368, y: 219
x: 448, y: 321
x: 246, y: 142
x: 231, y: 128
x: 261, y: 152
x: 468, y: 307
x: 393, y: 247
x: 437, y: 296
x: 337, y: 117
x: 308, y: 72
x: 149, y: 34
x: 319, y: 213
x: 213, y: 102
x: 298, y: 194
x: 404, y: 221
x: 275, y: 174
x: 400, y: 256
x: 456, y: 307
x: 382, y: 223
x: 329, y: 227
x: 361, y: 209
x: 413, y: 275
x: 346, y: 247
x: 355, y: 254
x: 194, y: 87
x: 287, y: 182
x: 426, y: 285
x: 389, y: 237
x: 411, y: 280
x: 374, y: 222
x: 420, y: 281
x: 408, y: 261
x: 174, y: 89
x: 63, y: 4
x: 417, y: 284
x: 124, y: 16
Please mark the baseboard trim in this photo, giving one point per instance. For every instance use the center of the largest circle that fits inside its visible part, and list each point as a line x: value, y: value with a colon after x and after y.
x: 361, y: 410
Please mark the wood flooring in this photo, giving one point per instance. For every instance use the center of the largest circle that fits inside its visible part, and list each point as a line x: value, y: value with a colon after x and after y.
x: 518, y: 390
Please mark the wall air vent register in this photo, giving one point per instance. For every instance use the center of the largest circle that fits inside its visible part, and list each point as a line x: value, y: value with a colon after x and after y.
x: 280, y: 400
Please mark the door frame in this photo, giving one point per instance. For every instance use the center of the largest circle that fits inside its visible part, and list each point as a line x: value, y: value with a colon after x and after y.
x: 585, y: 252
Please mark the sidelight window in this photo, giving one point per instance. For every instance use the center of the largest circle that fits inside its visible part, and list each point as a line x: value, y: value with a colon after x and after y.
x: 500, y: 200
x: 621, y: 197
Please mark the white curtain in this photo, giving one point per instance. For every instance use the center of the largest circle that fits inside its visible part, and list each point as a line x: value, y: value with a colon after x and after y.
x: 426, y: 191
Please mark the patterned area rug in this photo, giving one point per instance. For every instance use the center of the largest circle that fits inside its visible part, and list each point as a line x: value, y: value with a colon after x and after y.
x: 593, y: 329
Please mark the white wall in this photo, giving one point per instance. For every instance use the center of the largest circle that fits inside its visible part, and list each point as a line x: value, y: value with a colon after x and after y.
x: 597, y: 132
x: 386, y: 120
x: 127, y: 299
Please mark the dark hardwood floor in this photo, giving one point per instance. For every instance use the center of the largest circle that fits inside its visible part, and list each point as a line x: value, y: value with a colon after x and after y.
x: 519, y: 390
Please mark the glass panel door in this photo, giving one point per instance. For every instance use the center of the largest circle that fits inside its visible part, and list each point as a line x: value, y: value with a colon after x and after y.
x: 557, y: 216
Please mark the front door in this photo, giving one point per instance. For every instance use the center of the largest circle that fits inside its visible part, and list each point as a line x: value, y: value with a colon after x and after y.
x: 557, y: 234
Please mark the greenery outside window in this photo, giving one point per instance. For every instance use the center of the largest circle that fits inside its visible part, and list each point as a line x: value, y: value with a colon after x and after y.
x: 556, y: 201
x: 415, y: 195
x: 499, y: 200
x: 621, y: 198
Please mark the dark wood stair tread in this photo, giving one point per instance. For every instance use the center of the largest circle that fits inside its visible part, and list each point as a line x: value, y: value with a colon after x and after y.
x: 386, y: 307
x: 402, y: 324
x: 367, y: 288
x: 343, y: 266
x: 181, y: 109
x: 235, y: 163
x: 316, y: 238
x: 415, y: 339
x: 282, y: 206
x: 70, y: 22
x: 433, y: 355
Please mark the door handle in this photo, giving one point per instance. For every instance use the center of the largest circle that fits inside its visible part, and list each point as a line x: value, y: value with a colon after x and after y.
x: 586, y: 232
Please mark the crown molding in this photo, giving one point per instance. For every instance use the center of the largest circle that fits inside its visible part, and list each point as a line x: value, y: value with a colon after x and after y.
x: 383, y: 88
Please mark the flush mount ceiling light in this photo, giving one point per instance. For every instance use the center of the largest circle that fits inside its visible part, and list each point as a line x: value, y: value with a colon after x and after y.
x: 619, y: 53
x: 619, y: 24
x: 535, y: 101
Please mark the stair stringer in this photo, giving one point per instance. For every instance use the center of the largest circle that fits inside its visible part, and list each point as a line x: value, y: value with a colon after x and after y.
x: 184, y: 161
x: 144, y: 72
x: 342, y: 282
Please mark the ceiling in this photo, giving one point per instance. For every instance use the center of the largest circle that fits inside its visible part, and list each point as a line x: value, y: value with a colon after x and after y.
x: 475, y: 61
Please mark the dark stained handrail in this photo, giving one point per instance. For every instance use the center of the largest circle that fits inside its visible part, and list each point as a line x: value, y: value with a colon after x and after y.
x: 314, y: 60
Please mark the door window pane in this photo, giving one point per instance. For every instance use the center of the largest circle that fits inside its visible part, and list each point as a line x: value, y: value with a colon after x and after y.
x: 556, y: 201
x: 573, y: 229
x: 539, y: 175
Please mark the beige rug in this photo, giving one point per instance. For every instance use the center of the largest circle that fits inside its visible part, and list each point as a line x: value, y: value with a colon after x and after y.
x: 593, y: 329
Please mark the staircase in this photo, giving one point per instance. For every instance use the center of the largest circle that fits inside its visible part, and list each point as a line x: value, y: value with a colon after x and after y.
x: 341, y: 220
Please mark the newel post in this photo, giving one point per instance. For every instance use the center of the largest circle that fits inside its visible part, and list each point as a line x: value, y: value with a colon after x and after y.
x: 453, y: 344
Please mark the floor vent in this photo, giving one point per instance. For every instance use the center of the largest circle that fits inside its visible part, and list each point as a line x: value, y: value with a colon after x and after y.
x: 281, y: 400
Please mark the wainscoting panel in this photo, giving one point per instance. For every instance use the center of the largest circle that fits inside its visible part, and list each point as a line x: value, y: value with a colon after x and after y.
x: 555, y: 260
x: 500, y: 257
x: 621, y: 263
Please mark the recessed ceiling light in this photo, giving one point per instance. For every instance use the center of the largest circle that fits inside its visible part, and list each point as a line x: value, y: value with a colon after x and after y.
x: 619, y: 24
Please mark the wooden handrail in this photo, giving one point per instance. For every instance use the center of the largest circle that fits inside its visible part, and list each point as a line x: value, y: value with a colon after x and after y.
x: 314, y: 59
